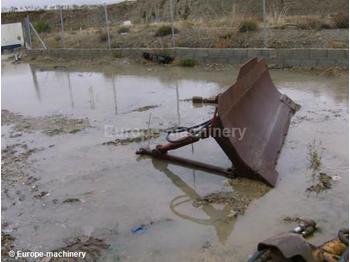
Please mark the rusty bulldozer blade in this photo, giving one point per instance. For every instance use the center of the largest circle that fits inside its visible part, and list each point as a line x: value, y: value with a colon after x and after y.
x: 252, y: 104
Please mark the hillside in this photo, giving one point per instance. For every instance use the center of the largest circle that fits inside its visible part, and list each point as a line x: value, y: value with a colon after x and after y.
x: 199, y: 23
x: 145, y: 11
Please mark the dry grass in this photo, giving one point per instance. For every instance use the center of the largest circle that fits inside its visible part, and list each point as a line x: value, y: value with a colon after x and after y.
x: 341, y: 20
x: 221, y: 32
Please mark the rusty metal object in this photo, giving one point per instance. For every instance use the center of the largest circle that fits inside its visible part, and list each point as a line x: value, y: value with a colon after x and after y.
x: 252, y: 104
x: 289, y: 245
x: 200, y: 100
x: 187, y: 162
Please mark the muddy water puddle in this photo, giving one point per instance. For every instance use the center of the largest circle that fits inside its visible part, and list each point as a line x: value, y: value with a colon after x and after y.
x: 71, y: 185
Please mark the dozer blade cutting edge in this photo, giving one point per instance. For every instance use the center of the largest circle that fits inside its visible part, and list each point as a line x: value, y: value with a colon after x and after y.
x: 252, y: 104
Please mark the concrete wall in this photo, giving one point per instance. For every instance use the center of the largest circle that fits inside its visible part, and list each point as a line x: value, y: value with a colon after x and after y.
x: 299, y: 57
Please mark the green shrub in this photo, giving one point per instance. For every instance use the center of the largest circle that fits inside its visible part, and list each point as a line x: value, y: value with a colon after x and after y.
x: 123, y: 29
x: 165, y: 30
x: 42, y: 27
x: 341, y: 20
x: 187, y: 62
x: 117, y: 55
x: 248, y: 25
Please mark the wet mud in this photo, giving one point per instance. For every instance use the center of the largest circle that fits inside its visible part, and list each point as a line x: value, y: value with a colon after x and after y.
x: 93, y: 247
x: 49, y: 125
x: 134, y: 136
x: 237, y: 200
x: 60, y: 184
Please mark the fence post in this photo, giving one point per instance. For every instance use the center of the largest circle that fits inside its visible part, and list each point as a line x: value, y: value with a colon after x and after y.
x: 27, y: 32
x: 107, y: 26
x: 37, y: 35
x: 62, y: 28
x: 172, y: 23
x: 264, y: 17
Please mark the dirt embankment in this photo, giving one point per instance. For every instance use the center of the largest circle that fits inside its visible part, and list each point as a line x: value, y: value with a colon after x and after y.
x: 146, y: 11
x: 207, y: 24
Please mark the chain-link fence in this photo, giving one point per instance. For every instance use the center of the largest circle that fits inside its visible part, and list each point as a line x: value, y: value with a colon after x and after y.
x: 170, y: 23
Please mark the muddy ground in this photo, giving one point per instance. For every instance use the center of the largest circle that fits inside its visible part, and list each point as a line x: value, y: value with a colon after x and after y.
x: 71, y: 179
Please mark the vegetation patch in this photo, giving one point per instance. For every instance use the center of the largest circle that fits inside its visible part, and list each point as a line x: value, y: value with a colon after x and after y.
x: 123, y: 29
x: 320, y: 180
x: 248, y: 25
x: 187, y: 62
x: 341, y: 20
x: 323, y: 182
x: 103, y: 36
x: 314, y: 23
x: 165, y: 30
x: 42, y: 27
x: 314, y: 156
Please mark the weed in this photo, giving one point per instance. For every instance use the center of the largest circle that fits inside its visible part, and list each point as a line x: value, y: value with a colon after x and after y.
x: 103, y: 36
x: 187, y: 62
x: 123, y: 29
x: 42, y: 27
x: 117, y: 55
x: 165, y: 30
x: 248, y: 25
x: 341, y: 20
x: 314, y: 23
x: 314, y: 156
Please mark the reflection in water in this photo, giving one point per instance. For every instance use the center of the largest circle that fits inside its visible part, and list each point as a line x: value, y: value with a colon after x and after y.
x: 178, y: 104
x: 92, y: 98
x: 35, y: 81
x: 114, y: 96
x: 70, y: 90
x: 218, y: 218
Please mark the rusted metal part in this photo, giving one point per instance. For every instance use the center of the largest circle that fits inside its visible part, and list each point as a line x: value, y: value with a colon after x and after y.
x: 186, y: 162
x: 200, y: 100
x: 171, y: 146
x: 290, y: 246
x: 252, y: 104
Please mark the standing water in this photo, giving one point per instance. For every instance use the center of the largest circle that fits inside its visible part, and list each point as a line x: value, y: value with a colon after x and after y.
x: 93, y: 188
